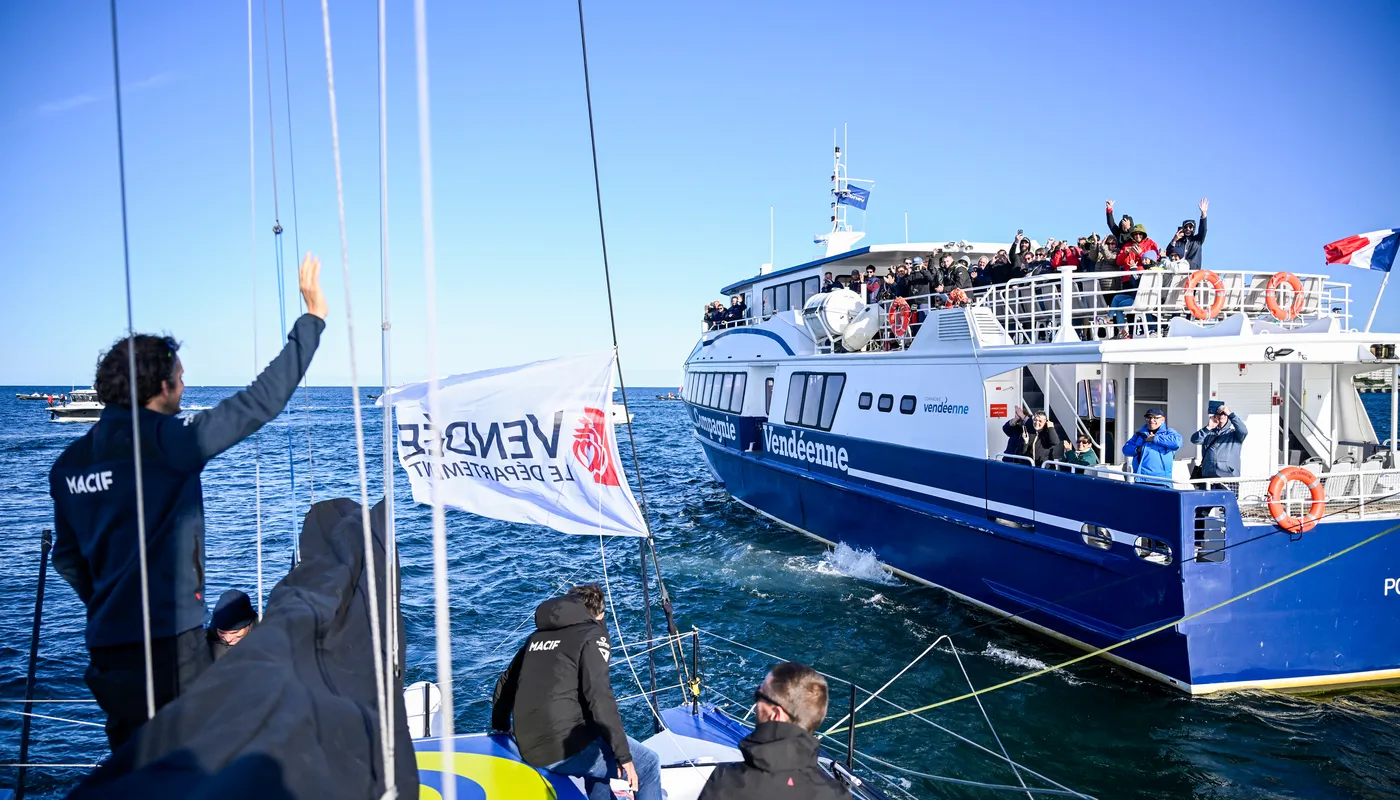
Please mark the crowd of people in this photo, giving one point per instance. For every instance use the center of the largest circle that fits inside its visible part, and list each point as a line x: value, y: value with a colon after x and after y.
x: 717, y: 314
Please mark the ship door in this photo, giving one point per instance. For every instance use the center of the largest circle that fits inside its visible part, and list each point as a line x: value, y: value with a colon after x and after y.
x: 1011, y: 491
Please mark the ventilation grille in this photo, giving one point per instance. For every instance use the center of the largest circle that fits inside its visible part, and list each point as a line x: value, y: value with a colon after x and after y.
x: 952, y: 327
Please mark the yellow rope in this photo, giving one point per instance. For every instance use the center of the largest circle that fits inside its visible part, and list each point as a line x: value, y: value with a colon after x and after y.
x: 1115, y: 646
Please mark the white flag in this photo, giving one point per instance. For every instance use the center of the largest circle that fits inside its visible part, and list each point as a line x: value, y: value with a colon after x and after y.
x: 532, y: 444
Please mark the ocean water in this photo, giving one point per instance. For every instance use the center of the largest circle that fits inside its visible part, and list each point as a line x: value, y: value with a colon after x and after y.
x: 1093, y: 727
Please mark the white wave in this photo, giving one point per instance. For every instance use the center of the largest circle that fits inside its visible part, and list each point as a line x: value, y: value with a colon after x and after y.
x: 1015, y: 659
x: 852, y: 563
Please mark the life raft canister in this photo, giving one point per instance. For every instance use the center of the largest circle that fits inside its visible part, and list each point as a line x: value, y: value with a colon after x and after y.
x: 1279, y: 484
x: 900, y: 316
x: 1271, y: 289
x: 1216, y: 304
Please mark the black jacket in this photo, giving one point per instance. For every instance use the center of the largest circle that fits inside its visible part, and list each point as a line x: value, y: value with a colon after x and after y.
x: 1189, y: 247
x: 557, y: 688
x: 93, y: 485
x: 1002, y: 271
x: 1024, y: 440
x: 735, y: 312
x: 780, y: 761
x: 920, y: 282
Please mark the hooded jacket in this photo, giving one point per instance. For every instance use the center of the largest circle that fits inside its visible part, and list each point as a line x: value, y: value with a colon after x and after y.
x: 1116, y: 231
x: 780, y: 762
x: 1189, y: 247
x: 557, y: 688
x: 1153, y: 458
x: 1220, y: 448
x: 1130, y: 255
x: 93, y: 485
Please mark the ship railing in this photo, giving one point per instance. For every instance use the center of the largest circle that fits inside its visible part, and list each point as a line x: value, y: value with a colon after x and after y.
x: 1349, y: 492
x: 1031, y: 309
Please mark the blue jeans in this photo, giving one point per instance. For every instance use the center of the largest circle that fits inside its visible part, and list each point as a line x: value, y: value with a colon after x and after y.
x: 595, y: 764
x: 1121, y: 301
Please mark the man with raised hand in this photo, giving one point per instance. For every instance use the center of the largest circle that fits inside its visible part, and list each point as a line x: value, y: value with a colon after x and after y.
x: 558, y: 692
x: 93, y: 485
x: 780, y: 756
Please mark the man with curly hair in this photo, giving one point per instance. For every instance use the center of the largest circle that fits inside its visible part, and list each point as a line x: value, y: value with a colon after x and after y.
x: 96, y: 524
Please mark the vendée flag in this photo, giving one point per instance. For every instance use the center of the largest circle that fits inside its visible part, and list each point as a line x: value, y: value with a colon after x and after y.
x: 854, y: 196
x: 1374, y: 250
x: 532, y: 443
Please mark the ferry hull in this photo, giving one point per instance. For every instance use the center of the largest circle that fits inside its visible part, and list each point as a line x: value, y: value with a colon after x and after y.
x: 1327, y: 628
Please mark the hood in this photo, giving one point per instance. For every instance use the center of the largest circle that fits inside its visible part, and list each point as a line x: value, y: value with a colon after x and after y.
x: 234, y: 611
x: 561, y: 612
x: 1137, y: 229
x: 778, y: 746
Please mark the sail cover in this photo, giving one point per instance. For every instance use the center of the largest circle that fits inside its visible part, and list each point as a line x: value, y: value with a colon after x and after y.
x: 532, y: 443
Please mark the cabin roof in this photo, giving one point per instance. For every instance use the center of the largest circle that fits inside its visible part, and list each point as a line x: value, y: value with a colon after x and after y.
x: 878, y: 254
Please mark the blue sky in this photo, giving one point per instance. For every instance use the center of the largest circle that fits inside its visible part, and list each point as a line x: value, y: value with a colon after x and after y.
x: 976, y: 119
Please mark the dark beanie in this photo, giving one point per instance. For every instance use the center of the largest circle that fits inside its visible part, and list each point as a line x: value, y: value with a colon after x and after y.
x: 233, y: 612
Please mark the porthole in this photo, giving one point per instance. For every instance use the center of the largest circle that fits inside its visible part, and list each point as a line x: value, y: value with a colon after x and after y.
x: 1154, y: 550
x: 1096, y: 536
x: 906, y: 404
x: 865, y: 400
x: 886, y: 402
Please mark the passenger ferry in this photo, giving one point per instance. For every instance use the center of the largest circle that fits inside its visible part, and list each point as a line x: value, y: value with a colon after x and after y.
x: 836, y: 417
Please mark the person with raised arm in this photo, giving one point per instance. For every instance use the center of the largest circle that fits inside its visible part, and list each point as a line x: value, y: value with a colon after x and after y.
x: 96, y: 529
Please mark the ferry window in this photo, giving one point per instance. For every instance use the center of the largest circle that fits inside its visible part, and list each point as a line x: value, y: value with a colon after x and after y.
x: 716, y: 383
x: 906, y: 404
x: 703, y: 396
x: 726, y: 391
x: 812, y: 400
x: 886, y: 402
x: 1088, y: 399
x: 767, y: 396
x: 781, y: 301
x: 1148, y: 392
x: 866, y: 399
x: 830, y: 398
x: 736, y: 402
x: 768, y: 301
x: 794, y: 400
x: 810, y: 288
x: 1210, y: 534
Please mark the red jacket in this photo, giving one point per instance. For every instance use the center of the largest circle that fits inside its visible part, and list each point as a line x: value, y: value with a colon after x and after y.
x: 1130, y: 254
x: 1068, y: 255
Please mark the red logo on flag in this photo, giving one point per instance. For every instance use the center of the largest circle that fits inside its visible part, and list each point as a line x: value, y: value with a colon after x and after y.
x: 591, y: 447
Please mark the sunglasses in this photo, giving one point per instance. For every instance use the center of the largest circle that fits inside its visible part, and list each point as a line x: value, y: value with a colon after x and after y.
x: 1083, y: 441
x: 759, y: 696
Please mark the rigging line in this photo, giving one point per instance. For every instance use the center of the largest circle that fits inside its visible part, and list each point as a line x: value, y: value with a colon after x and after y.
x: 888, y: 702
x: 564, y: 585
x: 280, y: 254
x: 1002, y: 787
x: 1100, y: 651
x: 442, y: 609
x: 131, y: 381
x: 391, y: 592
x: 371, y: 576
x: 253, y: 271
x: 46, y: 716
x: 296, y: 248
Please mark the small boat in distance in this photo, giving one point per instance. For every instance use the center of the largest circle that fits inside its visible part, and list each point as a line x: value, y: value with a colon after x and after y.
x: 31, y: 396
x: 668, y: 396
x: 82, y: 406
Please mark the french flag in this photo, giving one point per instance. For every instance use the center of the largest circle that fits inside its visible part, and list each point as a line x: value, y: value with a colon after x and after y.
x: 1375, y: 250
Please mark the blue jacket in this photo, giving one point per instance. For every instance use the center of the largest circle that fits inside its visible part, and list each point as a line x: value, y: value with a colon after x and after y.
x: 93, y: 485
x: 1220, y: 451
x: 1153, y: 458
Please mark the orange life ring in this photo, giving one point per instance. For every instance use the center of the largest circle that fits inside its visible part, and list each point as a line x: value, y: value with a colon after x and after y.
x: 900, y: 316
x: 1279, y: 483
x: 1216, y: 304
x: 1280, y: 313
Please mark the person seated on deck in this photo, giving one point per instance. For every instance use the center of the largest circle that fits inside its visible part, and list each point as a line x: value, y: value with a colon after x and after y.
x: 780, y: 756
x: 233, y: 618
x: 558, y: 693
x: 1081, y: 452
x: 737, y: 309
x: 1153, y: 447
x: 827, y: 283
x: 1220, y: 440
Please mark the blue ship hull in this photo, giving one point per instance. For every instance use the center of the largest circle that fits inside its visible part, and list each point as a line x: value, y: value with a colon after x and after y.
x: 1010, y: 538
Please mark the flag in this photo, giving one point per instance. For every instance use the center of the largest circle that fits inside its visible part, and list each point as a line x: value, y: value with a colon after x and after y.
x: 1374, y: 250
x: 532, y: 443
x: 854, y: 196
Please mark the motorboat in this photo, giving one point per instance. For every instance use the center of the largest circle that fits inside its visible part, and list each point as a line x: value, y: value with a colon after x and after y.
x: 82, y: 406
x: 31, y: 396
